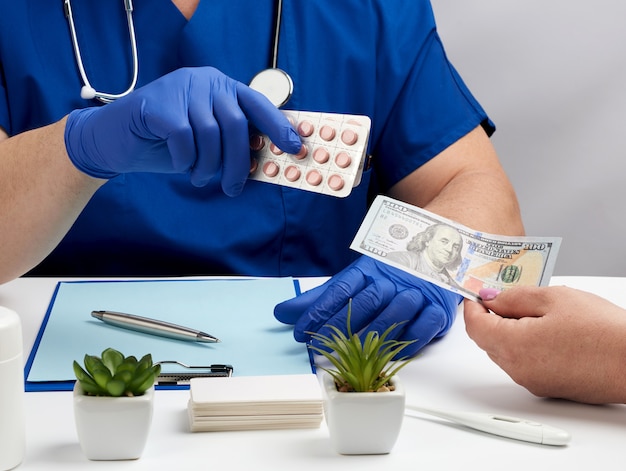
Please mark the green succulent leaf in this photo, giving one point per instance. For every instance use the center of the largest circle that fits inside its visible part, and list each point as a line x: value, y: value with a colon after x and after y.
x: 129, y: 363
x: 112, y: 359
x: 92, y: 389
x: 128, y: 366
x: 93, y: 363
x: 124, y: 376
x: 102, y: 377
x: 116, y: 387
x: 144, y: 363
x: 360, y: 364
x: 80, y: 373
x: 87, y: 382
x: 144, y: 380
x: 113, y: 374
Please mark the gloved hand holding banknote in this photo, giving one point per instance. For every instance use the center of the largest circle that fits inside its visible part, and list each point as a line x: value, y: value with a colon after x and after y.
x: 415, y: 269
x: 381, y: 296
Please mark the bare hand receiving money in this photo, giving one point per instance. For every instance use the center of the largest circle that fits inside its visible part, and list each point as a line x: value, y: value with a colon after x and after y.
x: 450, y: 255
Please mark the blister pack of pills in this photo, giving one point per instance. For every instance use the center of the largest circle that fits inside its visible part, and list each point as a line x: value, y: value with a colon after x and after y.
x: 331, y: 160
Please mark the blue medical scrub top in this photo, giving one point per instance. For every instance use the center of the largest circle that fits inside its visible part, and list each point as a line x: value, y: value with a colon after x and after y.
x: 381, y: 58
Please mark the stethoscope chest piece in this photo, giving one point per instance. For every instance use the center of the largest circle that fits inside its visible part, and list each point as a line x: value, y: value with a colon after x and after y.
x: 275, y: 84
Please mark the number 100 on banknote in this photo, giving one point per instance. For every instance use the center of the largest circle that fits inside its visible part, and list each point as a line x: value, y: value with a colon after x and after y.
x: 451, y: 255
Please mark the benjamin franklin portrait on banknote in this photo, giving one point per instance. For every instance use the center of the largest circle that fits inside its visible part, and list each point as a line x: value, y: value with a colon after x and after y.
x: 434, y: 252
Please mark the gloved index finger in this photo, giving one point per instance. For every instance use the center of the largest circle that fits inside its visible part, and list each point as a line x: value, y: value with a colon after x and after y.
x: 338, y: 291
x: 428, y: 325
x: 235, y: 142
x: 367, y: 304
x: 289, y: 311
x: 268, y: 119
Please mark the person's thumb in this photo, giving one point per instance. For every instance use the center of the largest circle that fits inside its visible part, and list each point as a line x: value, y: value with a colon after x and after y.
x: 521, y: 301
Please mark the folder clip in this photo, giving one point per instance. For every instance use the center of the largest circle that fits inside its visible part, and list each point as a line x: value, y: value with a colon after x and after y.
x: 183, y: 377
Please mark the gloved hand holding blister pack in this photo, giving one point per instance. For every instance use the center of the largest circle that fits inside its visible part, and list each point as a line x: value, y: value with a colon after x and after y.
x: 192, y: 120
x: 381, y: 296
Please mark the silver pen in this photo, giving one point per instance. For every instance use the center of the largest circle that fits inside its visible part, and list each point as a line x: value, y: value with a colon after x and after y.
x: 153, y: 326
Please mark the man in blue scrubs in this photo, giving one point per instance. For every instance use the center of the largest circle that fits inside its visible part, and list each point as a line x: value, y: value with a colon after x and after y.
x: 155, y: 182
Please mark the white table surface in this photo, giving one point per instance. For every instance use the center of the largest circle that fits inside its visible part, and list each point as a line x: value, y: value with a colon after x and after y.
x: 451, y: 374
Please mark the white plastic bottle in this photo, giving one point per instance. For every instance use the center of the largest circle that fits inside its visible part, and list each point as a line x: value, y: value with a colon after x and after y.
x: 12, y: 427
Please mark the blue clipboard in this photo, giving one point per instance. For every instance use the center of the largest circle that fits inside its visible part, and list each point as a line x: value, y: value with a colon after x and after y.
x: 240, y: 312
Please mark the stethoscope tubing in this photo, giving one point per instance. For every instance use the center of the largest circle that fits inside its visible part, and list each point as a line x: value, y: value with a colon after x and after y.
x: 273, y: 80
x: 88, y: 91
x: 279, y: 15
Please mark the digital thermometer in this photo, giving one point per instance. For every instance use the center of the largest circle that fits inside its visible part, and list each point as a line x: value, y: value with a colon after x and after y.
x: 510, y: 427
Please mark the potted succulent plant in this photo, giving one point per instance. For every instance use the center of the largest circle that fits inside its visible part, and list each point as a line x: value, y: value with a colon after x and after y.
x: 113, y: 402
x: 363, y: 397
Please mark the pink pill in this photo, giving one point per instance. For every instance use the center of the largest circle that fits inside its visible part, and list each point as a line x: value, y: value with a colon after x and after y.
x: 271, y: 169
x: 256, y: 142
x: 302, y: 153
x: 327, y: 132
x: 349, y: 137
x: 254, y: 165
x: 292, y: 173
x: 314, y: 178
x: 335, y: 182
x: 275, y: 150
x: 305, y: 128
x: 321, y: 155
x: 343, y: 160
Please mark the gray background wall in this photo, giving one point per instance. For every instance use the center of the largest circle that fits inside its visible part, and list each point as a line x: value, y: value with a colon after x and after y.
x: 552, y: 75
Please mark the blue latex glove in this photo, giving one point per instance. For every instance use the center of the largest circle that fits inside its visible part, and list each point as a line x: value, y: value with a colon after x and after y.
x: 381, y: 296
x: 191, y: 120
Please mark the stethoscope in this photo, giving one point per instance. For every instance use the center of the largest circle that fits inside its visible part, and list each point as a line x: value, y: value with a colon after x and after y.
x: 87, y: 92
x: 274, y: 83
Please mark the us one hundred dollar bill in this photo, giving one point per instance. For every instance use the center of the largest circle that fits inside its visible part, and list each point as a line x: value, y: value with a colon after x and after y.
x: 451, y: 255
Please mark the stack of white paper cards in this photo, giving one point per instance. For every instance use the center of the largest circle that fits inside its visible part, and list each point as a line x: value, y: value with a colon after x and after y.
x: 255, y: 403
